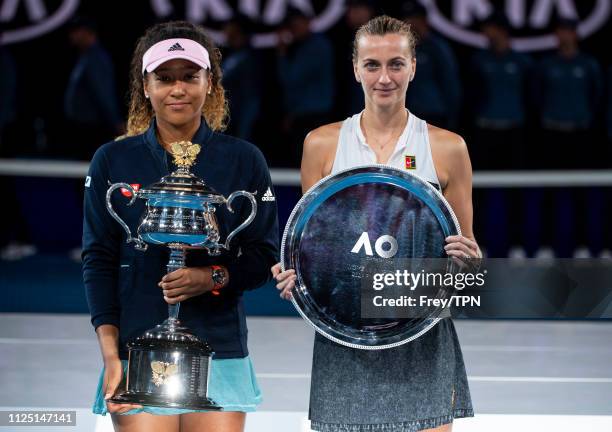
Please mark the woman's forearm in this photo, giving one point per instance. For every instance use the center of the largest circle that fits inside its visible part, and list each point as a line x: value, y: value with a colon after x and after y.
x: 108, y: 339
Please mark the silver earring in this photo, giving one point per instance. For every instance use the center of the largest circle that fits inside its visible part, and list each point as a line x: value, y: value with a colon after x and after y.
x: 147, y: 96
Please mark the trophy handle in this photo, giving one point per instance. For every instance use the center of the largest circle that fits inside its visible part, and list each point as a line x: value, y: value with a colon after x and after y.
x: 140, y: 245
x: 243, y: 225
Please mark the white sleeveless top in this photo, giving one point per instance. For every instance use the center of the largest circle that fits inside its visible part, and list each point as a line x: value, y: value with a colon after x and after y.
x: 412, y: 149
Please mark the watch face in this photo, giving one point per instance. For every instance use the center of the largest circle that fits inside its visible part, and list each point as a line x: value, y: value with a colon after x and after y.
x: 356, y: 222
x: 218, y: 276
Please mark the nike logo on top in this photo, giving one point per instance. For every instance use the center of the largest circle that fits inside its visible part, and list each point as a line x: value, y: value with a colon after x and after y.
x: 176, y: 47
x: 268, y: 196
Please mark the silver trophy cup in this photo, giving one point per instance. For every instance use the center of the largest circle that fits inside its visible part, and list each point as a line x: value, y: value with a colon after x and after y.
x: 168, y: 365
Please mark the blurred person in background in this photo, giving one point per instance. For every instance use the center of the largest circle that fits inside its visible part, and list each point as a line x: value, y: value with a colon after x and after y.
x: 8, y: 95
x: 91, y: 107
x: 435, y: 94
x: 241, y: 78
x: 499, y: 88
x: 608, y: 158
x: 15, y: 242
x: 306, y: 75
x: 349, y: 98
x: 499, y: 84
x: 609, y: 117
x: 568, y: 89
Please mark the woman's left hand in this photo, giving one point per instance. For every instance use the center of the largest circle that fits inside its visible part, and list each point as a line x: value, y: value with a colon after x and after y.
x: 185, y: 283
x: 463, y: 249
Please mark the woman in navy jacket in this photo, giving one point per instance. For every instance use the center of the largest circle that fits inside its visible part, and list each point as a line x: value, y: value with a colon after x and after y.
x: 176, y: 95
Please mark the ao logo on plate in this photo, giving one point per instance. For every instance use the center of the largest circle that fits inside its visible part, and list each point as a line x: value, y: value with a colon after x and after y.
x: 41, y: 18
x: 384, y: 252
x: 267, y: 13
x: 530, y: 19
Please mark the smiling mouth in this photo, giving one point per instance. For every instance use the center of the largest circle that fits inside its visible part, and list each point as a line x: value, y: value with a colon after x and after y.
x: 177, y: 104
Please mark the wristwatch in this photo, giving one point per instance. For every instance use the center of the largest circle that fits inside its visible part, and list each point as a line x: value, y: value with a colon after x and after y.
x: 219, y: 278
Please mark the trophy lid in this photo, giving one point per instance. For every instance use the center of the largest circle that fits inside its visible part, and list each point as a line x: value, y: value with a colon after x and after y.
x: 182, y: 181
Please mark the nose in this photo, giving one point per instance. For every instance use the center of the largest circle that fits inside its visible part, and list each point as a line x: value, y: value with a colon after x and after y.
x: 384, y: 77
x: 178, y: 89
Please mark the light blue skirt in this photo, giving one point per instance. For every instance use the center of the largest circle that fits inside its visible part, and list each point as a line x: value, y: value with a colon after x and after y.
x: 232, y: 385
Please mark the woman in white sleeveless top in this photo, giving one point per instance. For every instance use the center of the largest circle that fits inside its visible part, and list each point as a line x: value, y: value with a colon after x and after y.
x: 421, y: 385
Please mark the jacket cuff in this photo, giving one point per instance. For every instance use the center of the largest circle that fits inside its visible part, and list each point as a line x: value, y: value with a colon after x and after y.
x: 107, y: 318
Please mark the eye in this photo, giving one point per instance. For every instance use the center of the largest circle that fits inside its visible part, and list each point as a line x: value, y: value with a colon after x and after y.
x: 163, y: 78
x: 371, y: 66
x: 397, y: 65
x: 191, y: 77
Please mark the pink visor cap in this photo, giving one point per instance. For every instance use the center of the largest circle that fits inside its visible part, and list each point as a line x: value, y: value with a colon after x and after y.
x: 171, y: 49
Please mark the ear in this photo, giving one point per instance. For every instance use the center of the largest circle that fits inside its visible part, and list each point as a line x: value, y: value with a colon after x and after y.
x: 145, y: 86
x: 413, y: 68
x: 356, y: 72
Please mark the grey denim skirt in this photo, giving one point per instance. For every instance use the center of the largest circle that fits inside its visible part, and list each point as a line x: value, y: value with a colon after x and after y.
x: 419, y: 385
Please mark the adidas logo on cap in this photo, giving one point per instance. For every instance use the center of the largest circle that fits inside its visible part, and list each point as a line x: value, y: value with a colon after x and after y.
x: 268, y: 196
x: 176, y: 47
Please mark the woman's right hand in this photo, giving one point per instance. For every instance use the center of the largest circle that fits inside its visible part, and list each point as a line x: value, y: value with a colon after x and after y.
x: 113, y: 374
x: 285, y: 280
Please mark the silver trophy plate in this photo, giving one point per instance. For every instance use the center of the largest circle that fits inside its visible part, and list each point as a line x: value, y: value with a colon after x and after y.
x: 405, y: 218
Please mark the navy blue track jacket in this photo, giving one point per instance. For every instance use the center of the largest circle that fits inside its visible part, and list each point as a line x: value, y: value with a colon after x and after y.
x: 121, y: 283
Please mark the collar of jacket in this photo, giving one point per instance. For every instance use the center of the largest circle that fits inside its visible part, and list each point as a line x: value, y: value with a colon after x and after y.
x: 201, y: 137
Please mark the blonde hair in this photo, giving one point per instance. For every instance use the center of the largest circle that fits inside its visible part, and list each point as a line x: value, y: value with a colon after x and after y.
x: 383, y: 25
x: 215, y: 110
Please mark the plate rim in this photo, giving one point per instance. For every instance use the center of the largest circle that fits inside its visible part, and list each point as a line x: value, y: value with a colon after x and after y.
x: 305, y: 196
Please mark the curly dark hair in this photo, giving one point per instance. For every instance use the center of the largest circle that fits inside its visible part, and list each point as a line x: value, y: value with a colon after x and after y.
x: 215, y: 108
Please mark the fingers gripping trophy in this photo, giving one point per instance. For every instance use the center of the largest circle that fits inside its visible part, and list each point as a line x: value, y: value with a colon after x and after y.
x: 169, y: 366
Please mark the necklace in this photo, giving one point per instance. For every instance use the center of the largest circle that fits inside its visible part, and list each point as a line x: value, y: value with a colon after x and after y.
x: 379, y: 144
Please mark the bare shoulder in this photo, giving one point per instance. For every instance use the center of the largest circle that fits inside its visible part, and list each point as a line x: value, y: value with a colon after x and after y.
x: 449, y: 152
x: 445, y: 141
x: 320, y: 150
x: 324, y: 137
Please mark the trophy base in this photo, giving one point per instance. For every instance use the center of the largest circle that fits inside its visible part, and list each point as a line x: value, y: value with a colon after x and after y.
x: 162, y: 402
